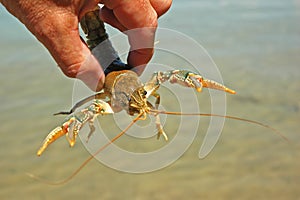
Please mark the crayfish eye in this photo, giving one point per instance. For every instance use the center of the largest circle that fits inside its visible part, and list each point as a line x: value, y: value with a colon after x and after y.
x: 145, y: 92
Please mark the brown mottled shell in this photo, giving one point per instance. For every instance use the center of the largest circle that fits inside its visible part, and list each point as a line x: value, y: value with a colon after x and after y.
x: 121, y: 84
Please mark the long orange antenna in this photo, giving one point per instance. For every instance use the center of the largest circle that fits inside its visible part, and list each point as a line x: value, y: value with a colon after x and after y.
x: 60, y: 182
x: 138, y: 118
x: 224, y: 116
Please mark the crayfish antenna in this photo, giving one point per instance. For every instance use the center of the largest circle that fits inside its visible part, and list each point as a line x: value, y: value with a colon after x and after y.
x: 228, y: 117
x: 64, y: 112
x: 80, y: 103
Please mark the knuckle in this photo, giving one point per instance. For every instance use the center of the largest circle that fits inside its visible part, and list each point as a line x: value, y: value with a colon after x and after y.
x: 71, y: 71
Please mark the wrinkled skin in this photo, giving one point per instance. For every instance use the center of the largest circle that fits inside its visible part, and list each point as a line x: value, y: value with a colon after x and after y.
x: 55, y: 24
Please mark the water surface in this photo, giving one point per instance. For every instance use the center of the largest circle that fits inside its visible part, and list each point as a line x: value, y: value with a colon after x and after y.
x: 256, y: 46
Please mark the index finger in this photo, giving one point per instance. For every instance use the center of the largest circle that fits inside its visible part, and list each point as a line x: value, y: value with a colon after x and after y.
x: 140, y: 20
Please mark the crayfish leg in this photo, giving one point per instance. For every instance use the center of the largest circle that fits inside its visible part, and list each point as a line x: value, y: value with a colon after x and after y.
x: 92, y: 128
x: 73, y: 132
x: 160, y: 128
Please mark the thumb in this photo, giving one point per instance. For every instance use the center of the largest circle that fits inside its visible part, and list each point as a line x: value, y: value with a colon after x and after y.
x: 55, y: 24
x: 60, y: 36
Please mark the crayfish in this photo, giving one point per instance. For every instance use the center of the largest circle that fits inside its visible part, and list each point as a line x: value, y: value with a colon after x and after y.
x: 123, y: 90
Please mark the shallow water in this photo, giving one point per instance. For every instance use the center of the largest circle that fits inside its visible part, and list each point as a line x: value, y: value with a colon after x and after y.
x: 256, y: 47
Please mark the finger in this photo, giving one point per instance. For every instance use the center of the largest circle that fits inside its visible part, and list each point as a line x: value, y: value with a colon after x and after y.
x: 57, y: 28
x: 109, y: 17
x: 141, y: 42
x: 161, y: 6
x: 60, y: 35
x: 133, y: 15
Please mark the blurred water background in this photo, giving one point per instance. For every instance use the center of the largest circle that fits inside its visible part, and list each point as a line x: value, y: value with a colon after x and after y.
x: 256, y: 46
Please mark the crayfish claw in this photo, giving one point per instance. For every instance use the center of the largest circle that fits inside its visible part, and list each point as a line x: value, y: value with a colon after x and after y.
x: 217, y: 86
x: 52, y: 136
x: 197, y: 81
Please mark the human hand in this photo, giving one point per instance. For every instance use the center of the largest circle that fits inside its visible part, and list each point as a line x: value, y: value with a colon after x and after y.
x: 55, y: 24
